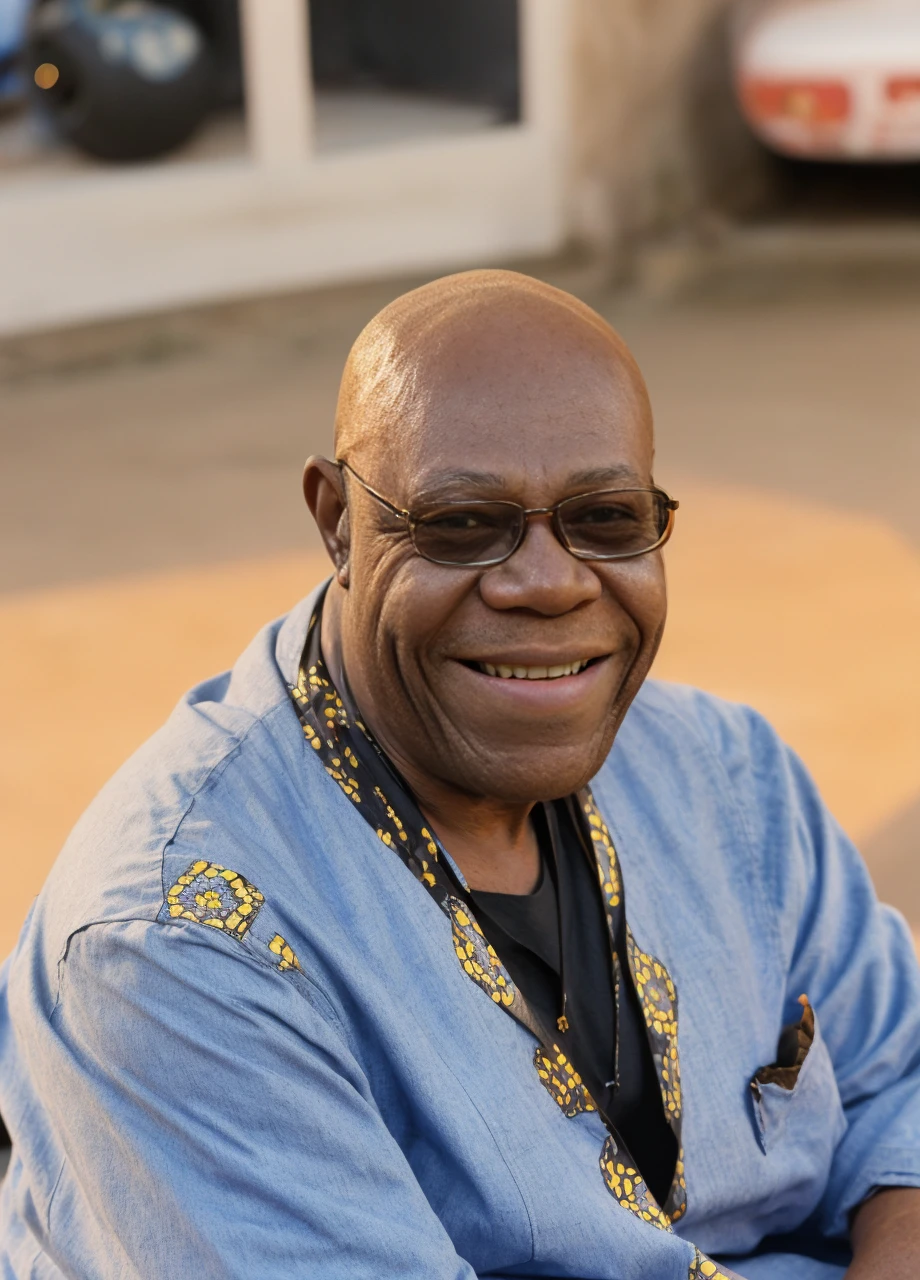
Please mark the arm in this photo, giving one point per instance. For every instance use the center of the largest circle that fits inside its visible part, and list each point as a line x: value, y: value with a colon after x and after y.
x: 855, y: 959
x: 216, y: 1123
x: 886, y: 1236
x: 853, y: 956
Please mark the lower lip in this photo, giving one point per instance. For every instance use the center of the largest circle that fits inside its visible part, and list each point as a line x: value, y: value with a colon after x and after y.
x: 544, y: 695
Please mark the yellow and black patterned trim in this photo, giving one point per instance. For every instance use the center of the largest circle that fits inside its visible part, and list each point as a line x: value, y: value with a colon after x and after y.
x: 213, y: 895
x: 478, y: 958
x: 658, y: 1000
x: 561, y: 1081
x: 333, y: 734
x: 703, y: 1268
x: 608, y: 864
x: 627, y: 1186
x: 657, y: 996
x: 286, y: 957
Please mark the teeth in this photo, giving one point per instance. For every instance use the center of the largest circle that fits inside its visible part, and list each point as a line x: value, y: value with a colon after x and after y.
x: 534, y: 673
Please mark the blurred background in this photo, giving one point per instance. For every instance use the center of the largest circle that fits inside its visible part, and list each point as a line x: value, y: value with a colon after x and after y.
x: 203, y: 201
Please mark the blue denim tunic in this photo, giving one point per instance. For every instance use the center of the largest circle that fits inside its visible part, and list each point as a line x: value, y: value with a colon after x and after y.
x: 236, y: 1039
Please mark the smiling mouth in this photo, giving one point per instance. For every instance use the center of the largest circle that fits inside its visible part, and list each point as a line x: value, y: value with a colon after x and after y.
x: 504, y: 672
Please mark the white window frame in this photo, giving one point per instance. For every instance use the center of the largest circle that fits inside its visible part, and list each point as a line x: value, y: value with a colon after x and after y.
x: 88, y: 243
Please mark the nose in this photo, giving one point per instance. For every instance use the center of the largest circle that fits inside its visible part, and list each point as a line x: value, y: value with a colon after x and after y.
x: 541, y: 575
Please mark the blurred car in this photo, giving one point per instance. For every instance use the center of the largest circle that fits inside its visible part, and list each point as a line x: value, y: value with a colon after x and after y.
x: 832, y: 79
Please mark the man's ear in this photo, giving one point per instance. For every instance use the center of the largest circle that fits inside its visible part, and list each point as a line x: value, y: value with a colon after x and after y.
x: 323, y: 488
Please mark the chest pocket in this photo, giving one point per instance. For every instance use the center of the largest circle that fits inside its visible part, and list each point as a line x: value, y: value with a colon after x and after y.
x: 797, y: 1109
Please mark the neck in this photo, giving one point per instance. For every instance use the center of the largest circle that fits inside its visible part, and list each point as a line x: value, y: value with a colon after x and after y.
x: 493, y: 843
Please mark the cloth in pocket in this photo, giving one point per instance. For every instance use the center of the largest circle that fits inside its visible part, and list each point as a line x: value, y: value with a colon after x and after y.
x: 798, y: 1115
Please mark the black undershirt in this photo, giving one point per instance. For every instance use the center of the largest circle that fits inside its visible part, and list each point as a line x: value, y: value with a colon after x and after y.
x: 525, y: 930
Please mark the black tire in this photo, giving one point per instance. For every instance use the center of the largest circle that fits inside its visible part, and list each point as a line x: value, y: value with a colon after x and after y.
x: 135, y: 79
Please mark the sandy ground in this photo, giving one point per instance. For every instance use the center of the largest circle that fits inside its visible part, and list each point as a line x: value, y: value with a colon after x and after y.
x: 151, y: 519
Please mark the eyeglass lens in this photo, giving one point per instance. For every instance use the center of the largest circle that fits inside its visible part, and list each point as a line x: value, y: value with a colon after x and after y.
x: 599, y: 525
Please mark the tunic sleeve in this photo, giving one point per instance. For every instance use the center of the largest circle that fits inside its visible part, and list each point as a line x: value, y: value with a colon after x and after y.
x: 855, y: 960
x: 216, y: 1123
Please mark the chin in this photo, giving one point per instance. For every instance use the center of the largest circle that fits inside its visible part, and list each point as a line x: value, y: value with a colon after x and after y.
x: 529, y: 775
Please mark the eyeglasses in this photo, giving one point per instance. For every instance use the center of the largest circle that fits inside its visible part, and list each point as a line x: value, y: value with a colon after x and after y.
x: 610, y: 524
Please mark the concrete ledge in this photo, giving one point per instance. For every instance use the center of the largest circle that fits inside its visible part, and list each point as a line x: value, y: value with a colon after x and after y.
x: 713, y: 253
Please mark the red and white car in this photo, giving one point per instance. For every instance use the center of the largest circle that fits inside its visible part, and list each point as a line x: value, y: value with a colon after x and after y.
x: 832, y: 79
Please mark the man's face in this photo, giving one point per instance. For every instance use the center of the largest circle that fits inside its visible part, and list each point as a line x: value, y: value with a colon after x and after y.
x: 530, y: 413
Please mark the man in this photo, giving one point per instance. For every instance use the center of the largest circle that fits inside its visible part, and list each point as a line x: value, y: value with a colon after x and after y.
x: 431, y: 941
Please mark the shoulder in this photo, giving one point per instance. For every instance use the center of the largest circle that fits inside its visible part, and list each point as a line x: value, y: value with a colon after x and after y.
x: 691, y: 719
x: 716, y: 765
x: 687, y: 761
x: 188, y: 827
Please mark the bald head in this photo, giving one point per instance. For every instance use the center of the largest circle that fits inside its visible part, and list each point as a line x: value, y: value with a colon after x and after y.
x: 483, y: 337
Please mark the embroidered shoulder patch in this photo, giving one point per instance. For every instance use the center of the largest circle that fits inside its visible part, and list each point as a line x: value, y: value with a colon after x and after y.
x: 211, y: 894
x: 286, y: 957
x: 561, y: 1081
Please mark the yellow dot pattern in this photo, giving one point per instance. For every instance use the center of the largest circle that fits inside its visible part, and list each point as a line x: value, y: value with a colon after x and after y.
x: 677, y: 1196
x: 703, y: 1266
x: 627, y: 1186
x: 318, y: 703
x: 561, y: 1081
x: 658, y: 998
x: 213, y: 895
x: 656, y: 991
x: 328, y: 729
x: 477, y: 957
x: 608, y: 865
x: 286, y: 957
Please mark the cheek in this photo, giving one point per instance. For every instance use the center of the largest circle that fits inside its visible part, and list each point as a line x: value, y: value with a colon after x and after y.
x: 402, y: 603
x: 639, y: 589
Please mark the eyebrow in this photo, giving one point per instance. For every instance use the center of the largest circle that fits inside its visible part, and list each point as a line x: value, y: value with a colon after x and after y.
x: 603, y: 475
x: 445, y: 485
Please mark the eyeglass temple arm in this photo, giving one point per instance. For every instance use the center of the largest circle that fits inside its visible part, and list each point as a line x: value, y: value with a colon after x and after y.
x: 384, y: 502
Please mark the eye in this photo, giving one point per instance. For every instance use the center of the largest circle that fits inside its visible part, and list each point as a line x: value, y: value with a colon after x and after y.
x: 459, y: 522
x: 463, y: 520
x: 605, y: 513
